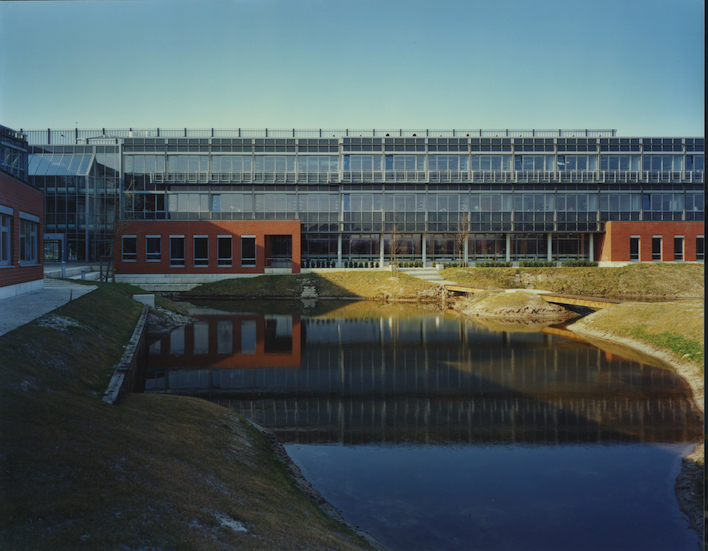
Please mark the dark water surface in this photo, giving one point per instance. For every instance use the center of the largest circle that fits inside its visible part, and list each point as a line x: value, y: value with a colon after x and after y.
x: 433, y: 432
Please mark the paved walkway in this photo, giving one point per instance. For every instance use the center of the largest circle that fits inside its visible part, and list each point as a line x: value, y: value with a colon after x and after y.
x: 427, y: 274
x: 16, y: 311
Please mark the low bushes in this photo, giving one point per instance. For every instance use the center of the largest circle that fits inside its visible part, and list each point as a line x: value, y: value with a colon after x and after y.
x: 494, y: 264
x: 579, y: 264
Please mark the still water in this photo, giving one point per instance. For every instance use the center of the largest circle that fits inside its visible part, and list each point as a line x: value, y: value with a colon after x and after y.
x: 431, y: 431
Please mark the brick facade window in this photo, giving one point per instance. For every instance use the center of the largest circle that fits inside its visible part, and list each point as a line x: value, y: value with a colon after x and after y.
x: 678, y: 248
x: 28, y: 241
x: 656, y: 248
x: 201, y: 251
x: 153, y: 250
x: 634, y: 248
x: 224, y: 250
x: 248, y: 250
x: 177, y: 251
x: 700, y: 248
x: 5, y: 239
x: 129, y: 248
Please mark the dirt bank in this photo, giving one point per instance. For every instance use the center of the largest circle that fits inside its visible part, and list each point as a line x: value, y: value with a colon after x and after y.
x: 518, y: 307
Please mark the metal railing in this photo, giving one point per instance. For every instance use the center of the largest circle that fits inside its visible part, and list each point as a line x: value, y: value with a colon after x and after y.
x: 114, y: 136
x: 510, y: 177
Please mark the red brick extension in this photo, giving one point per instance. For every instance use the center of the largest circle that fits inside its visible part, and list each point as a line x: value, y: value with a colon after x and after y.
x: 614, y: 244
x: 189, y: 228
x: 21, y: 197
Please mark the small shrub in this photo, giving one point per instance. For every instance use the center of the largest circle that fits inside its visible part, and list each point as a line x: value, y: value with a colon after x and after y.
x: 537, y: 264
x: 494, y: 264
x: 579, y: 264
x: 377, y: 265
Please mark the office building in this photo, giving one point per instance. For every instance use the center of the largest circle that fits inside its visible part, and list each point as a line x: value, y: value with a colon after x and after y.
x: 21, y: 220
x: 213, y: 203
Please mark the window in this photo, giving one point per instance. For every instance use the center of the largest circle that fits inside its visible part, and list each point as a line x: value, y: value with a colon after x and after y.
x: 5, y: 239
x: 412, y: 163
x: 634, y: 248
x: 454, y: 163
x: 177, y: 251
x: 318, y: 163
x: 678, y: 248
x: 152, y: 248
x: 577, y: 163
x: 656, y: 248
x: 129, y: 248
x: 223, y: 250
x: 201, y: 251
x: 700, y: 250
x: 619, y: 162
x: 534, y: 163
x: 662, y: 163
x: 490, y: 163
x: 694, y: 162
x: 28, y: 241
x: 248, y: 250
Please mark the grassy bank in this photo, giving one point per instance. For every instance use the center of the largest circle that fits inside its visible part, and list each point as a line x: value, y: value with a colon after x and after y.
x: 648, y: 281
x: 675, y: 327
x: 156, y: 472
x: 364, y: 284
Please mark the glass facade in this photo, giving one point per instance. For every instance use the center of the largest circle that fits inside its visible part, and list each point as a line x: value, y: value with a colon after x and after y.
x: 453, y: 196
x: 81, y: 186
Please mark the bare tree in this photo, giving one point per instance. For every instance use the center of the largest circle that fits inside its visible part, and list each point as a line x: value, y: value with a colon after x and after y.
x: 119, y: 216
x: 463, y: 233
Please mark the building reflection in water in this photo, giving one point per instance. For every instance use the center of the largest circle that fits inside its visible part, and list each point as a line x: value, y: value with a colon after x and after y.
x: 420, y: 378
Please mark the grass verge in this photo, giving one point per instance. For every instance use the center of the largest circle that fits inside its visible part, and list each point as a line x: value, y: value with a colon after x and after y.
x: 646, y: 280
x: 366, y: 284
x: 157, y: 472
x: 676, y: 327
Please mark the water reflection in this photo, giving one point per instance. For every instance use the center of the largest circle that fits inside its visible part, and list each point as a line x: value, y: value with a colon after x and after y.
x: 418, y: 378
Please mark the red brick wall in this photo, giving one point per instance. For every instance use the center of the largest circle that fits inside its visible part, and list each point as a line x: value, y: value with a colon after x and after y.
x: 615, y: 243
x: 212, y: 229
x: 21, y: 197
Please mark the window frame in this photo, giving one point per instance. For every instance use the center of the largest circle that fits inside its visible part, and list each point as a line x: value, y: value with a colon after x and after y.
x: 654, y: 253
x: 5, y: 238
x: 248, y: 262
x: 131, y: 256
x: 679, y: 256
x: 176, y: 261
x: 700, y: 248
x: 29, y: 238
x: 639, y: 248
x: 200, y: 261
x: 223, y: 261
x: 153, y: 256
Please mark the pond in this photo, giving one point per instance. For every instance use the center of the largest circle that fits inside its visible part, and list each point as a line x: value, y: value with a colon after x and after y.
x: 431, y: 431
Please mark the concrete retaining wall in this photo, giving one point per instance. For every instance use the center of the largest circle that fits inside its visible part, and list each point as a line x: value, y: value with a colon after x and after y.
x: 134, y: 357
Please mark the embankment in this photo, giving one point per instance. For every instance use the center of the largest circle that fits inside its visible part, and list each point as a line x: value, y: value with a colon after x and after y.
x: 155, y: 472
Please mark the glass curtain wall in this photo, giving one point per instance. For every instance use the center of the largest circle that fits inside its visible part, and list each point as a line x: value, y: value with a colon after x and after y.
x: 81, y: 188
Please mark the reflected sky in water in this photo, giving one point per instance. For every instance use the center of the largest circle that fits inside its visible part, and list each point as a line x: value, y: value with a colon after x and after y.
x: 433, y: 432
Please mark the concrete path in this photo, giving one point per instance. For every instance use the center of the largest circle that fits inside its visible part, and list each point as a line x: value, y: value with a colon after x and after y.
x: 16, y: 311
x: 427, y: 274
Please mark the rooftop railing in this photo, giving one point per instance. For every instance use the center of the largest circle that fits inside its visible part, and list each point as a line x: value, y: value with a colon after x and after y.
x: 104, y: 136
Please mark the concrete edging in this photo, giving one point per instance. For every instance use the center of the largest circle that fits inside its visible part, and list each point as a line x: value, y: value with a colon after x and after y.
x: 123, y: 378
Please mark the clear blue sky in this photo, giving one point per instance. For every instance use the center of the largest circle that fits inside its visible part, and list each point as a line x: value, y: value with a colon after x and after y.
x: 634, y: 65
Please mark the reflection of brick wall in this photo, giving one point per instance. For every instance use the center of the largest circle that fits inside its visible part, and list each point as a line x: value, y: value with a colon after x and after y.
x: 21, y: 197
x: 615, y: 243
x: 212, y: 229
x: 209, y: 353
